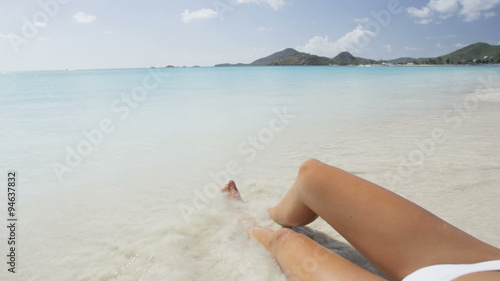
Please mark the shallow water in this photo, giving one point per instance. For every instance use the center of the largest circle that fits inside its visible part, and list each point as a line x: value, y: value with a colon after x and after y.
x: 119, y: 170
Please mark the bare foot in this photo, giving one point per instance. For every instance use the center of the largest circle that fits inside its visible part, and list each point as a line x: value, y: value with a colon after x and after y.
x: 231, y: 190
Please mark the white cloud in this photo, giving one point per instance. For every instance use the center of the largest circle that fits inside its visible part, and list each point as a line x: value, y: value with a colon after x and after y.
x: 263, y: 28
x: 423, y: 21
x: 459, y: 45
x: 468, y: 10
x: 412, y: 48
x: 81, y: 17
x: 473, y: 9
x: 419, y: 13
x: 275, y: 4
x: 207, y: 14
x: 388, y: 48
x: 362, y: 20
x: 203, y: 14
x: 321, y: 46
x: 488, y: 15
x: 443, y: 6
x: 4, y: 37
x: 353, y: 42
x: 447, y: 36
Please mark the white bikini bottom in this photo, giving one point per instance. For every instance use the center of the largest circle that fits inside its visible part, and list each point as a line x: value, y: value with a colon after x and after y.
x: 448, y: 272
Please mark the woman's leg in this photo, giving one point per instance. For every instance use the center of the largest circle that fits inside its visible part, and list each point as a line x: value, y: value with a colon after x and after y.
x: 394, y: 234
x: 299, y: 257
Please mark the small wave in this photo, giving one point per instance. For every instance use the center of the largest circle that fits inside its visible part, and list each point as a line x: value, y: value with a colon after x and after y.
x: 487, y: 95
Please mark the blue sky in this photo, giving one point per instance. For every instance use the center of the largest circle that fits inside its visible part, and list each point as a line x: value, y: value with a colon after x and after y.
x: 87, y: 34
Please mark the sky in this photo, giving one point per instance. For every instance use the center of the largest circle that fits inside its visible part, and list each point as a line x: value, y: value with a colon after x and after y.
x: 94, y: 34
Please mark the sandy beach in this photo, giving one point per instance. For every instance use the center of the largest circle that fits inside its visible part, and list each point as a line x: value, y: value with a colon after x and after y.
x: 145, y: 204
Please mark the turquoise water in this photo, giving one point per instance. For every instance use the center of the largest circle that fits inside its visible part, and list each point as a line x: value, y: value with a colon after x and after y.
x: 123, y: 165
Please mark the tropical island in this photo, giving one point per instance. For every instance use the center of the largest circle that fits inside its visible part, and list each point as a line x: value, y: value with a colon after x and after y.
x: 478, y: 53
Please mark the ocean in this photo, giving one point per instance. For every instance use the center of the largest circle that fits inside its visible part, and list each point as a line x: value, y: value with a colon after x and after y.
x: 118, y: 171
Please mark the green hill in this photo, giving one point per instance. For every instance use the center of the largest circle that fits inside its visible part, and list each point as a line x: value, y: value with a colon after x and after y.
x: 302, y: 59
x: 405, y: 60
x: 478, y: 53
x: 286, y: 57
x: 269, y: 60
x: 345, y: 58
x: 292, y: 57
x: 473, y: 54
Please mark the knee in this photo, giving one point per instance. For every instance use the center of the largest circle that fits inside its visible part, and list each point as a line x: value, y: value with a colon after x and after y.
x: 314, y: 176
x: 309, y: 166
x: 309, y: 172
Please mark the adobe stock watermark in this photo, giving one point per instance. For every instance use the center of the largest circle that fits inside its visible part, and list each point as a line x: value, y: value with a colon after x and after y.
x: 121, y: 108
x: 454, y: 117
x: 309, y: 264
x: 223, y: 7
x: 248, y: 149
x: 30, y: 28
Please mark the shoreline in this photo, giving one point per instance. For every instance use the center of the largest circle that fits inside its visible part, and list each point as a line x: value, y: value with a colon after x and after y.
x: 249, y: 66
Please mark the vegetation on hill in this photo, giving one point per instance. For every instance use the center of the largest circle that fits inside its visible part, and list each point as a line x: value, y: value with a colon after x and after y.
x: 345, y: 58
x: 406, y: 60
x: 302, y: 59
x: 479, y: 53
x: 475, y: 53
x: 269, y: 60
x: 292, y: 57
